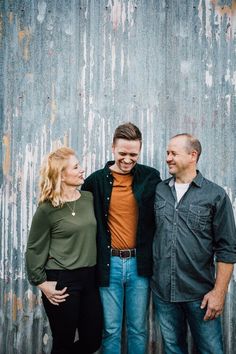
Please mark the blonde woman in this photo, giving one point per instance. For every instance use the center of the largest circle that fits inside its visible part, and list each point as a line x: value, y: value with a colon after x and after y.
x: 61, y: 255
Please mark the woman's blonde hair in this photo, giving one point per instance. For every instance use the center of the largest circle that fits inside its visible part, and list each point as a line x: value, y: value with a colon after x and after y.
x: 50, y: 175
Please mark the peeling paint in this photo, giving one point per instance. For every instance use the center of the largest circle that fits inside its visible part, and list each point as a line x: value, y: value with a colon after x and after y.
x: 53, y: 105
x: 45, y: 339
x: 42, y: 7
x: 208, y: 79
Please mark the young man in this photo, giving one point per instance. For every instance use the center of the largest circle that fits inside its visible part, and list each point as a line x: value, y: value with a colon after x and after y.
x: 124, y: 205
x: 194, y: 227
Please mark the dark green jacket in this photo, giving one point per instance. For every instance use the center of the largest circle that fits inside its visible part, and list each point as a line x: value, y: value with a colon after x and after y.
x: 144, y: 185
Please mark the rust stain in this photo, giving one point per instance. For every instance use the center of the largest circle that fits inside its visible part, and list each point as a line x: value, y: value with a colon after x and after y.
x: 53, y: 105
x: 33, y: 301
x: 24, y: 41
x: 225, y: 10
x: 6, y: 159
x: 16, y: 306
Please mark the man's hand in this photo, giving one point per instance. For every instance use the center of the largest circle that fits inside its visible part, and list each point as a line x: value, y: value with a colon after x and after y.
x: 53, y: 295
x: 214, y: 300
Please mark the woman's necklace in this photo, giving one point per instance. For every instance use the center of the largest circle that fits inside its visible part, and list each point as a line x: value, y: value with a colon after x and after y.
x: 74, y: 205
x: 72, y: 209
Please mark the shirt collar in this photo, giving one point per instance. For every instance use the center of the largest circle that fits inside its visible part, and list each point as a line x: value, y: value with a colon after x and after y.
x: 198, y: 180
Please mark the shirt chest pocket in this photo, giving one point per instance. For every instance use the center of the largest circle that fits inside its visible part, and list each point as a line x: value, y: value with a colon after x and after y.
x: 159, y: 207
x: 198, y: 217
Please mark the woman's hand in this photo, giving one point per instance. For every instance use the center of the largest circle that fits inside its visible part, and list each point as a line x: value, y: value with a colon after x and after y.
x: 53, y: 295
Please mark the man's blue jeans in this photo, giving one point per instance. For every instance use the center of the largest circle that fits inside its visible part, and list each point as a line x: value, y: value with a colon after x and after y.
x: 129, y: 290
x: 173, y: 318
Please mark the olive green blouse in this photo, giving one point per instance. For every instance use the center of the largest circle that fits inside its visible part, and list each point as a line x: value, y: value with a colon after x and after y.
x: 59, y: 240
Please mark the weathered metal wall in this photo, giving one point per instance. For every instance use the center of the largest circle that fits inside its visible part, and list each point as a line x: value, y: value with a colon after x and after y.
x: 70, y: 72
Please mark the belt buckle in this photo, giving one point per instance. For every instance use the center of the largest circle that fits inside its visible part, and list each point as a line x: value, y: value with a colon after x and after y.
x: 123, y: 253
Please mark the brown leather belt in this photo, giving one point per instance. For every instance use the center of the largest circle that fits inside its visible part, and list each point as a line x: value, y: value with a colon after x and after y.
x: 131, y: 252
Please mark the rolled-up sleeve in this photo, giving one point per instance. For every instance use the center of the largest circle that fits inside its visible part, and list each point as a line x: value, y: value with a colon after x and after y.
x: 224, y: 231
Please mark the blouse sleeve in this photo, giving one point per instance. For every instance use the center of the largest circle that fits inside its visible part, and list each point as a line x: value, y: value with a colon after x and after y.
x: 37, y: 249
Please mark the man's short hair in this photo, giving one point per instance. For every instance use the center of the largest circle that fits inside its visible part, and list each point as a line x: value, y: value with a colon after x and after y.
x: 127, y: 131
x: 192, y: 143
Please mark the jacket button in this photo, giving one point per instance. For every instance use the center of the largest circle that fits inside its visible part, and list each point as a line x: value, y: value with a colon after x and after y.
x: 108, y: 264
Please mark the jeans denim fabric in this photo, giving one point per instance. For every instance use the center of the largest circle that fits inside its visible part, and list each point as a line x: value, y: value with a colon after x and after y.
x: 130, y: 291
x: 173, y: 319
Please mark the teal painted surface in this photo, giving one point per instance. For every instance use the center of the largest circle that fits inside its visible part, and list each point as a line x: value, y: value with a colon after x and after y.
x: 70, y: 72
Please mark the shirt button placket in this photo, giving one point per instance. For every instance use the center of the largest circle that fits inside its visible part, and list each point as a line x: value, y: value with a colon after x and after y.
x: 173, y: 256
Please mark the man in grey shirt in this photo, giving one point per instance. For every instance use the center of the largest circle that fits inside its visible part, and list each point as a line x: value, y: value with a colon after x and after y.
x: 194, y: 229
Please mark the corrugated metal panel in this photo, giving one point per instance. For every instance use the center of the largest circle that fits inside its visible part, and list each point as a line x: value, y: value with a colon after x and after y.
x: 70, y: 72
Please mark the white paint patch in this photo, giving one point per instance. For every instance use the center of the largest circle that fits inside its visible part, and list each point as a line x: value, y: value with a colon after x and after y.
x: 29, y: 294
x: 228, y: 100
x: 83, y: 74
x: 45, y: 339
x: 122, y: 61
x: 208, y: 79
x: 50, y: 24
x: 227, y: 75
x: 113, y: 60
x: 90, y: 121
x: 233, y: 25
x: 200, y: 15
x: 234, y: 81
x: 42, y: 11
x: 92, y: 63
x: 185, y: 67
x: 130, y: 14
x: 68, y: 30
x: 123, y: 17
x: 208, y: 15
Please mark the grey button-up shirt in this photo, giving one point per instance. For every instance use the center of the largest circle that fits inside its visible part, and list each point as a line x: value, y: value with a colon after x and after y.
x: 190, y: 236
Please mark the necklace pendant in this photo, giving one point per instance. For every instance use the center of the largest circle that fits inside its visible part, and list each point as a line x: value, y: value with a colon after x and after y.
x: 73, y: 213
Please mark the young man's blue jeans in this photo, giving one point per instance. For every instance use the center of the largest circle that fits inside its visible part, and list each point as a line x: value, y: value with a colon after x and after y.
x: 131, y: 291
x: 173, y: 318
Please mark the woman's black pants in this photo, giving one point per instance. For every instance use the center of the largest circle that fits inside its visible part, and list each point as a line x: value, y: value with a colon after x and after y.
x: 82, y: 310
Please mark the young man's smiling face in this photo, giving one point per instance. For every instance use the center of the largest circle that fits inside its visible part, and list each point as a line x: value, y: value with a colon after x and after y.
x: 126, y: 154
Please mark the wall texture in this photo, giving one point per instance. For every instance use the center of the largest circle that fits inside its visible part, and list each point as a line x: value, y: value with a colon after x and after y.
x: 70, y: 72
